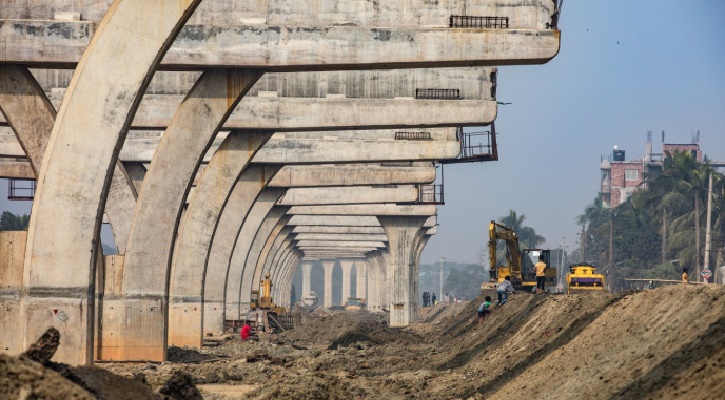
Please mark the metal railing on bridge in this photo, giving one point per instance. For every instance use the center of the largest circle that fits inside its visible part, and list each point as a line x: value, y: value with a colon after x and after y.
x: 477, y: 146
x: 464, y: 21
x: 21, y: 189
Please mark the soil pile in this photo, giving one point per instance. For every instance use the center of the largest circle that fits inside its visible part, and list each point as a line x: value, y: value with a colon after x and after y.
x: 667, y: 343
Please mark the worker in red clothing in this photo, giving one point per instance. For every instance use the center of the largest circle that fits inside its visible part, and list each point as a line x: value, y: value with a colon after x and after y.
x: 246, y: 330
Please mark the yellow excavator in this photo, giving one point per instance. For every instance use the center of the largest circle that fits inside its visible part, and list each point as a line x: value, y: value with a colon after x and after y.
x: 264, y: 314
x: 519, y: 262
x: 583, y: 278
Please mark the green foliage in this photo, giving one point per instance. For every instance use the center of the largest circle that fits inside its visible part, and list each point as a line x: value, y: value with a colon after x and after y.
x: 465, y: 282
x: 13, y: 222
x: 677, y: 199
x: 527, y: 235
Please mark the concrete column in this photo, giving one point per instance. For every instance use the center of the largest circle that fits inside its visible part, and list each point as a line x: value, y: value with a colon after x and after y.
x: 346, y: 265
x: 70, y: 196
x: 328, y: 265
x: 418, y: 251
x: 373, y: 293
x: 361, y: 281
x: 197, y: 231
x: 306, y: 277
x: 385, y: 289
x: 164, y: 190
x: 249, y: 185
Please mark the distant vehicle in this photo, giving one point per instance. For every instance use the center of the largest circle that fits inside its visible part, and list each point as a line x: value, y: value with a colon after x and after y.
x: 310, y: 300
x: 355, y: 303
x: 583, y: 278
x: 519, y: 262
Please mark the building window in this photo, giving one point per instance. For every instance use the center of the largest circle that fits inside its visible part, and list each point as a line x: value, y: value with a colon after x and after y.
x: 631, y: 175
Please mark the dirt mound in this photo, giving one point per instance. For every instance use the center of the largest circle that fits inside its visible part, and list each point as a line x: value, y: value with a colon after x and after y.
x: 22, y: 378
x: 666, y: 343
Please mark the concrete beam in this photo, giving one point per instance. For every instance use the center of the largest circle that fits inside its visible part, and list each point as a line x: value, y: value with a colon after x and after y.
x: 311, y: 196
x: 365, y: 209
x: 340, y: 236
x: 352, y: 175
x: 296, y: 48
x: 334, y: 220
x: 339, y: 243
x: 344, y: 230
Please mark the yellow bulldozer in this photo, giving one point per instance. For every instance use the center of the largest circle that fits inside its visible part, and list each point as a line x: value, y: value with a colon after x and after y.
x: 583, y: 278
x: 519, y: 262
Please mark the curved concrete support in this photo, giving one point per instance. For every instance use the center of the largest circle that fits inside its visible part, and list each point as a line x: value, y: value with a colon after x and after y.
x: 249, y: 185
x: 31, y: 115
x: 279, y: 265
x: 197, y: 231
x: 282, y: 241
x: 288, y: 260
x: 157, y: 215
x: 76, y: 171
x: 253, y: 274
x: 238, y: 279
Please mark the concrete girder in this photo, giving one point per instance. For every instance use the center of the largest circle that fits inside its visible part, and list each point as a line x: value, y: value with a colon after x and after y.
x: 22, y: 97
x: 250, y: 184
x: 339, y: 243
x: 352, y: 175
x: 164, y: 190
x: 338, y: 230
x: 326, y: 99
x: 365, y: 209
x: 374, y: 146
x: 341, y: 236
x: 334, y: 220
x: 318, y: 147
x: 527, y: 14
x: 297, y: 48
x: 196, y: 233
x: 70, y: 212
x: 238, y: 279
x: 338, y: 195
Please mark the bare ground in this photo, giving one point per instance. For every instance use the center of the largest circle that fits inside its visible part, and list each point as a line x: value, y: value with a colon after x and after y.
x: 667, y: 343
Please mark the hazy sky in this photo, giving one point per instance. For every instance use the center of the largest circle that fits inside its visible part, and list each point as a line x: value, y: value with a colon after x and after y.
x: 625, y: 68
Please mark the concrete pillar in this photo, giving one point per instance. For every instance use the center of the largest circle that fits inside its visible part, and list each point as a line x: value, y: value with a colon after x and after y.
x: 70, y: 196
x: 346, y: 265
x: 328, y: 265
x: 361, y: 272
x: 306, y: 277
x: 239, y: 278
x: 404, y: 234
x: 197, y: 230
x: 249, y: 185
x: 384, y: 263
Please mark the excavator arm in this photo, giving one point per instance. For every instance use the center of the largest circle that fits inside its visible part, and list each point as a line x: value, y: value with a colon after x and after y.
x: 498, y: 273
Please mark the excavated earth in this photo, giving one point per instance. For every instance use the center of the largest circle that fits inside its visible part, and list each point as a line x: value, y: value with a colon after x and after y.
x: 667, y: 343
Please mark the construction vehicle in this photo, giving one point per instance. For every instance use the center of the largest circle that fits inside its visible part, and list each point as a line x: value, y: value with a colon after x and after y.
x: 355, y: 304
x: 264, y: 314
x: 519, y: 262
x: 583, y: 278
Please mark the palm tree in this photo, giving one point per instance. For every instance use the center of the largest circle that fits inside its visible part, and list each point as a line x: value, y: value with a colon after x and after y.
x: 527, y: 235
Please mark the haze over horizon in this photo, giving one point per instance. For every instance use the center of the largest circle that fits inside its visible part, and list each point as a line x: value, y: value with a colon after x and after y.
x: 625, y: 68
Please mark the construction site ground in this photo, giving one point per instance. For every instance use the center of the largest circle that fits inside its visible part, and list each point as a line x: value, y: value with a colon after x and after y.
x: 667, y: 343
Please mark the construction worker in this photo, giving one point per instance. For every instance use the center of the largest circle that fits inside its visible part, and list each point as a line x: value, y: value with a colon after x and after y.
x: 685, y: 276
x: 503, y: 289
x: 484, y: 310
x: 540, y: 268
x: 246, y: 330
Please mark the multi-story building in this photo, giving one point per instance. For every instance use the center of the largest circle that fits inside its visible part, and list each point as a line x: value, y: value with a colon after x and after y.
x: 621, y: 177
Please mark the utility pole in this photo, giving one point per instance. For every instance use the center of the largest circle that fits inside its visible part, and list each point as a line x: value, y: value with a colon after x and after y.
x: 611, y: 249
x: 707, y: 226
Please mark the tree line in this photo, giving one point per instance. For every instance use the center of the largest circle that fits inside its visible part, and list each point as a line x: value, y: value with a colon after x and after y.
x: 660, y: 229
